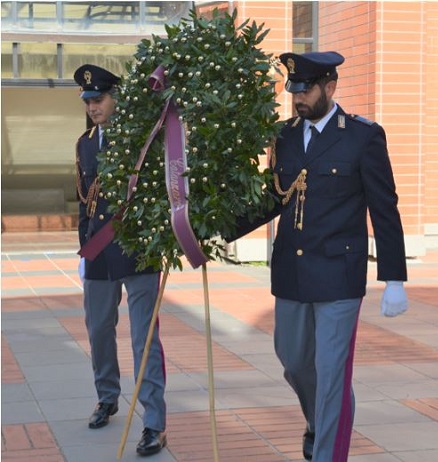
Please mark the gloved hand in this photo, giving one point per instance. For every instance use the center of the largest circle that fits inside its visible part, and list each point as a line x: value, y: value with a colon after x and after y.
x: 394, y: 299
x: 81, y: 269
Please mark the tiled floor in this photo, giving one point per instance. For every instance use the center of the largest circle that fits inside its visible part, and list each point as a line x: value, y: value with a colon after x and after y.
x: 47, y: 385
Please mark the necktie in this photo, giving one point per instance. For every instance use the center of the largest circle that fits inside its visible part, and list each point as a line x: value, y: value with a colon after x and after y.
x: 103, y: 142
x: 313, y: 137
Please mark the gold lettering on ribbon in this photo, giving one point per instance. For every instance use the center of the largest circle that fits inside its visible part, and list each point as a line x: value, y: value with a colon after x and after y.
x: 176, y: 168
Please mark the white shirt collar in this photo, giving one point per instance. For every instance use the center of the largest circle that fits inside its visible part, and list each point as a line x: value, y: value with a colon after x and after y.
x: 323, y: 122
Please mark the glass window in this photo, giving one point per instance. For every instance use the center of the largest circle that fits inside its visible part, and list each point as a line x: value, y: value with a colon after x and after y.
x: 7, y: 15
x: 93, y: 17
x: 37, y: 16
x: 39, y: 130
x: 111, y: 57
x: 304, y: 24
x: 159, y: 13
x: 42, y: 126
x: 7, y: 70
x: 37, y: 60
x: 43, y: 59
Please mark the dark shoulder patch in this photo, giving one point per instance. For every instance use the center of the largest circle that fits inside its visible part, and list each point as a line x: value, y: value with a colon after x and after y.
x: 361, y: 119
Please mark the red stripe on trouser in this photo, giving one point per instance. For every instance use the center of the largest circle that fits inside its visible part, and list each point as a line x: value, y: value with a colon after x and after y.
x: 345, y: 425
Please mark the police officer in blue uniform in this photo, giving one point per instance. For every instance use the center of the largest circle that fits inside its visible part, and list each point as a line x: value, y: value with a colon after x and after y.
x: 330, y: 168
x: 104, y: 277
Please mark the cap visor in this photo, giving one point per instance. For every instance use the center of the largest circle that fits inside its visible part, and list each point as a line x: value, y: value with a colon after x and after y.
x: 297, y: 87
x: 90, y: 94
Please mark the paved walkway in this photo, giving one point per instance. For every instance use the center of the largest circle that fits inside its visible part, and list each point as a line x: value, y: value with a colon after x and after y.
x: 47, y: 385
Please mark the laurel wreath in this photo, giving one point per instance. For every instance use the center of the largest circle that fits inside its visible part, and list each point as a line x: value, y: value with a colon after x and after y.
x: 221, y: 82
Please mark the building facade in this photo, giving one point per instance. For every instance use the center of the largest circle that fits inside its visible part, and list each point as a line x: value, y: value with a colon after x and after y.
x: 390, y: 76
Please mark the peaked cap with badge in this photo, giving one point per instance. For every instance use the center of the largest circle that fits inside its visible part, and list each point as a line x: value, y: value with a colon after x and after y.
x: 94, y: 80
x: 304, y: 70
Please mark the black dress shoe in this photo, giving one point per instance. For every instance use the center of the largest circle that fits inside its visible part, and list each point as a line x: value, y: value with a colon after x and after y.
x: 151, y: 442
x: 100, y: 417
x: 308, y: 440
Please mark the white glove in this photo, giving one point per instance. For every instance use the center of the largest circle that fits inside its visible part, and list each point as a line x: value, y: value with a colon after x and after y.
x: 81, y: 269
x: 394, y: 299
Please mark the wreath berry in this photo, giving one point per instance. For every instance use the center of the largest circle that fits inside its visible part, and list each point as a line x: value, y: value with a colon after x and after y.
x: 221, y: 83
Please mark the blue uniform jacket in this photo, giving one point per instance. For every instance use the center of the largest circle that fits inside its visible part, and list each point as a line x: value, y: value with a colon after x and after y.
x: 348, y: 172
x: 111, y: 263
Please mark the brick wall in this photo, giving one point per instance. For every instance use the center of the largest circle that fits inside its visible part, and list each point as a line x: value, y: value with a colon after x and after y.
x: 390, y: 76
x: 277, y: 17
x: 400, y: 106
x: 391, y: 50
x: 430, y: 132
x: 349, y: 28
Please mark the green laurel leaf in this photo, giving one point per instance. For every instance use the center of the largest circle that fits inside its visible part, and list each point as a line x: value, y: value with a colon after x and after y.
x: 221, y: 84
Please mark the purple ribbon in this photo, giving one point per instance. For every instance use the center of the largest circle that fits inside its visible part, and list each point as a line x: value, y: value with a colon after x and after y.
x: 176, y: 184
x: 178, y: 188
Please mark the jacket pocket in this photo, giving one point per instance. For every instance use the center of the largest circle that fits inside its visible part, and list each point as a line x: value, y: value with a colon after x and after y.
x: 335, y: 168
x: 345, y: 246
x: 336, y: 178
x: 287, y: 172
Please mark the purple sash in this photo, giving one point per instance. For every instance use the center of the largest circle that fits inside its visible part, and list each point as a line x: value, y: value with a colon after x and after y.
x: 177, y: 185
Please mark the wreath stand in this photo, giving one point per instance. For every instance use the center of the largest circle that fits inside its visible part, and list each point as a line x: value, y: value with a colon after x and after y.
x: 146, y: 355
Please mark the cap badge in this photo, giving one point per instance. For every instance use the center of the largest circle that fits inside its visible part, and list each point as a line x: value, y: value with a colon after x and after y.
x: 87, y: 77
x: 291, y: 65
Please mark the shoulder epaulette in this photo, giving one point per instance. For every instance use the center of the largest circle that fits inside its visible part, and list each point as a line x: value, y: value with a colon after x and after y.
x: 293, y: 121
x: 92, y: 130
x: 88, y: 133
x: 361, y: 119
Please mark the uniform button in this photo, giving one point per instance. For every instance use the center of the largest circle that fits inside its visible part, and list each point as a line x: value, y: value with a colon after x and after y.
x: 101, y: 217
x: 84, y: 172
x: 334, y: 171
x: 347, y: 247
x: 299, y: 252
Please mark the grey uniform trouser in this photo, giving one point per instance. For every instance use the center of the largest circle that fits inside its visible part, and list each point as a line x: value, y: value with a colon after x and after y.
x: 101, y: 302
x: 315, y: 344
